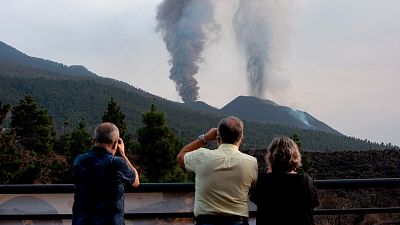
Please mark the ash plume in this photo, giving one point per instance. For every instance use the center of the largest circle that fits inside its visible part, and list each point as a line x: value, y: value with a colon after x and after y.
x: 260, y: 26
x: 185, y: 26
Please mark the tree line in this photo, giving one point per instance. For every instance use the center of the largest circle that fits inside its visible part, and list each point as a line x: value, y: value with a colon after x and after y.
x: 30, y: 151
x: 70, y: 98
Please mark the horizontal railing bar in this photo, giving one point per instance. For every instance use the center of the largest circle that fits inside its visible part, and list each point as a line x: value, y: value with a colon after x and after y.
x: 69, y: 188
x: 36, y: 217
x: 358, y: 183
x: 131, y: 216
x: 36, y: 188
x: 189, y: 187
x: 356, y: 211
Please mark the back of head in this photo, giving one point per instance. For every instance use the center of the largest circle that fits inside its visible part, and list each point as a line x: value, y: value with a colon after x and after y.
x: 230, y: 130
x: 106, y: 133
x: 283, y: 155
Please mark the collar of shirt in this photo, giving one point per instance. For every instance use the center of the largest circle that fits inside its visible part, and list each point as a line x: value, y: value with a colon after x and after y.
x: 228, y: 147
x: 101, y: 150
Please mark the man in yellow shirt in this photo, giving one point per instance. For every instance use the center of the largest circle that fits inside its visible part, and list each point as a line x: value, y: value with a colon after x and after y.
x: 224, y: 176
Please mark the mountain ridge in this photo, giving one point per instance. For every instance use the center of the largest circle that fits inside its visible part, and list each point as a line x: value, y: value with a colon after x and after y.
x: 9, y: 54
x: 265, y: 111
x: 77, y: 97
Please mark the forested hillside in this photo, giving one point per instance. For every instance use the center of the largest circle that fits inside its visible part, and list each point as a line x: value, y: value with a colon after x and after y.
x: 11, y: 55
x: 268, y: 111
x: 72, y: 98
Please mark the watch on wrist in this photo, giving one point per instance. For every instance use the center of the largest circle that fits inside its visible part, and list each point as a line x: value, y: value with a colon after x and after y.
x: 202, y: 137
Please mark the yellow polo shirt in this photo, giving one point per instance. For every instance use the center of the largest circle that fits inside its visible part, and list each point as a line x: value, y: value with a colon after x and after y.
x: 223, y: 179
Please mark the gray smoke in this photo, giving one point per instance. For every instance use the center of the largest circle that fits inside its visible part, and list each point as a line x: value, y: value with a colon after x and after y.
x: 185, y: 25
x: 260, y: 27
x: 302, y: 116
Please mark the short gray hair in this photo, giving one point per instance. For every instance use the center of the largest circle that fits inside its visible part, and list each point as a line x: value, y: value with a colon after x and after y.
x: 106, y: 133
x: 230, y: 129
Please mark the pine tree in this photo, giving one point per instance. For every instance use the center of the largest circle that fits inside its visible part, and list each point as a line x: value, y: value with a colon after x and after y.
x: 115, y: 115
x: 34, y: 127
x: 10, y: 163
x: 74, y: 143
x: 23, y: 117
x: 157, y: 149
x: 44, y: 132
x: 70, y: 145
x: 80, y: 141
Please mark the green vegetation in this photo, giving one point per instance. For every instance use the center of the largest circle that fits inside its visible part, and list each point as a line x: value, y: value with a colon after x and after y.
x: 10, y: 160
x: 157, y: 149
x: 77, y: 97
x: 53, y: 115
x: 76, y: 142
x: 30, y: 153
x: 34, y: 127
x: 116, y: 116
x: 29, y: 156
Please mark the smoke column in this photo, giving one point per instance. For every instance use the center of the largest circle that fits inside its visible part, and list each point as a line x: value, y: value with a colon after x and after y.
x: 185, y: 25
x: 260, y: 29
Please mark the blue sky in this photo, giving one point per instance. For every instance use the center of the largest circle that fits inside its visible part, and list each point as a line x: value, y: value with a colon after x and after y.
x: 337, y: 60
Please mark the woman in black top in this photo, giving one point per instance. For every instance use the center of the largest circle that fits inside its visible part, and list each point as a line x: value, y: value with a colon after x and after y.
x: 282, y: 195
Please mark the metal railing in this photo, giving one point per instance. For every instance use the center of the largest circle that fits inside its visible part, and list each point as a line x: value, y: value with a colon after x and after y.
x: 189, y: 187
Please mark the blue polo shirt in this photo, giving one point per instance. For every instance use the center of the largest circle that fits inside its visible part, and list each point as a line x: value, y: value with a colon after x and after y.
x: 99, y: 179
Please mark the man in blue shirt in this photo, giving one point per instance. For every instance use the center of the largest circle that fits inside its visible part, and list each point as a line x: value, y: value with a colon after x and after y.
x: 99, y: 177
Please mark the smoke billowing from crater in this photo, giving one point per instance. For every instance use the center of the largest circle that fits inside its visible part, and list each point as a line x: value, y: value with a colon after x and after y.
x: 185, y: 26
x: 260, y: 28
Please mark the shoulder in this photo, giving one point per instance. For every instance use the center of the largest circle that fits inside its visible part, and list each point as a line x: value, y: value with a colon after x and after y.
x: 307, y: 179
x: 249, y: 158
x: 198, y: 155
x: 195, y: 158
x: 81, y: 157
x: 199, y: 152
x: 117, y: 160
x: 119, y: 164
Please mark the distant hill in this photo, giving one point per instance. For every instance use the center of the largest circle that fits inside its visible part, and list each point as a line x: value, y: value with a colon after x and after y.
x: 255, y: 109
x: 200, y: 106
x: 70, y: 97
x: 265, y: 111
x: 11, y: 55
